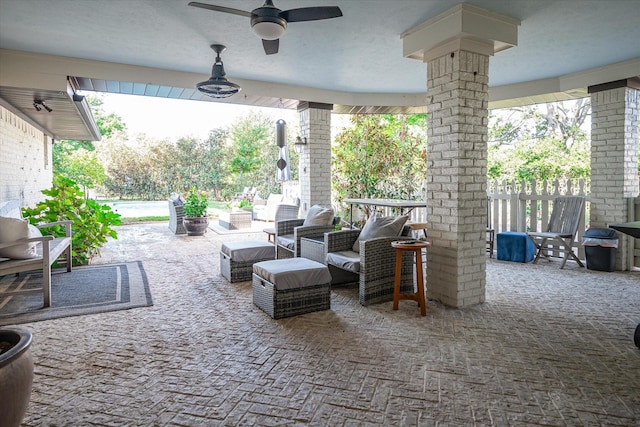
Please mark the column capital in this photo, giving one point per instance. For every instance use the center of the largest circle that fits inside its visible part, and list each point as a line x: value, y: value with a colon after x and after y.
x: 303, y: 105
x: 633, y: 83
x: 463, y: 27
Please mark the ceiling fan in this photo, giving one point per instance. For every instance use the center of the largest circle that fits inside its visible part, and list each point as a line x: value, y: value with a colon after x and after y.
x: 269, y: 22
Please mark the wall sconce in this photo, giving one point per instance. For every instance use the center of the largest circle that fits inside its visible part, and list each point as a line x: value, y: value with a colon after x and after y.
x: 300, y: 144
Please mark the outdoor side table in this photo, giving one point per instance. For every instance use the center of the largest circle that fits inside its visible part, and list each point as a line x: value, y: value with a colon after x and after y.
x: 271, y: 234
x: 234, y: 220
x: 313, y: 248
x: 416, y: 247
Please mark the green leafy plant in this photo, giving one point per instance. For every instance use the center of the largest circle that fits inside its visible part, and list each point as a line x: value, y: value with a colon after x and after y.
x: 195, y: 204
x: 245, y: 204
x: 92, y: 221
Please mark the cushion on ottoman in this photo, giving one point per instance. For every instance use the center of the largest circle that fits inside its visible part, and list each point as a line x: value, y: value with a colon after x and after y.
x: 515, y: 246
x: 237, y: 258
x: 293, y: 273
x: 288, y: 287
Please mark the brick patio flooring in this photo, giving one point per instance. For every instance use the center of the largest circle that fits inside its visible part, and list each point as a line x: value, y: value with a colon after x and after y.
x: 548, y: 348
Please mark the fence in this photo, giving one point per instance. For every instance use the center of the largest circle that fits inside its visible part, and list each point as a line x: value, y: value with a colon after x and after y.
x: 525, y: 206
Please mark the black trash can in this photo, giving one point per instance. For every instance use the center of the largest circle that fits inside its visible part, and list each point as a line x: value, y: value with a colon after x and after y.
x: 600, y: 246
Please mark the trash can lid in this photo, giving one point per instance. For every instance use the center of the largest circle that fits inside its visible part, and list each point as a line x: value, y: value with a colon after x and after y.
x: 600, y: 233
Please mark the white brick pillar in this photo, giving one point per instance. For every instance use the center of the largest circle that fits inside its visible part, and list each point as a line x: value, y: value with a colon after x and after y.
x: 457, y: 105
x: 315, y: 162
x: 614, y: 156
x: 456, y: 45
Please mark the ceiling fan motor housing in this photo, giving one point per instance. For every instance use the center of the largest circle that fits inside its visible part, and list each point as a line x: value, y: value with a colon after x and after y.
x: 263, y: 20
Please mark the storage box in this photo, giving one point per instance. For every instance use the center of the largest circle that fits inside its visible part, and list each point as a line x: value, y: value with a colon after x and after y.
x: 297, y: 286
x: 515, y: 246
x: 237, y: 258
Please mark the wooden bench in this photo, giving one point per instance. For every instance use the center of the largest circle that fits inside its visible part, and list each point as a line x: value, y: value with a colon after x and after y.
x: 49, y: 249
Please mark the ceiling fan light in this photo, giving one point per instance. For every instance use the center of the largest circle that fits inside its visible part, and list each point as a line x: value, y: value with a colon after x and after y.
x: 268, y: 30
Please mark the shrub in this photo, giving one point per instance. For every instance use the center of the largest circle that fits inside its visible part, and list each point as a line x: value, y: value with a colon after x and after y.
x: 195, y: 204
x: 92, y: 221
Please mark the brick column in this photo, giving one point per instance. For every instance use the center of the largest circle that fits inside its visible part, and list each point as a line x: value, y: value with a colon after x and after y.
x: 456, y: 45
x: 614, y: 156
x: 315, y: 162
x: 457, y: 105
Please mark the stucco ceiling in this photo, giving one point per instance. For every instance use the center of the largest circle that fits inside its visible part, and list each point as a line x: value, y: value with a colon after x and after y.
x: 358, y: 55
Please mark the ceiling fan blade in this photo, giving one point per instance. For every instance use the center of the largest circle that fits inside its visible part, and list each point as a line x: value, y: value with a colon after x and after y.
x: 311, y: 13
x: 270, y: 46
x: 220, y: 9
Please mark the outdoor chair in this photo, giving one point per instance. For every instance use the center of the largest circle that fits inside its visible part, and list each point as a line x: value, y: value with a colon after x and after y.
x: 319, y: 220
x: 561, y: 231
x: 373, y: 266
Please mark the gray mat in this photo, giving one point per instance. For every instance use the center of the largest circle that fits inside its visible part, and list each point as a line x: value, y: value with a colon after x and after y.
x: 85, y: 290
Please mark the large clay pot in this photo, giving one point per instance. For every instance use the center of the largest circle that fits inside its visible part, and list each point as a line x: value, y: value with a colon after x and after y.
x: 16, y: 374
x: 196, y: 226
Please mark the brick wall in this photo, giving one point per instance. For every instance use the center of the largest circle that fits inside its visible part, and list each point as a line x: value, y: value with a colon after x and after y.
x: 315, y: 162
x: 457, y: 101
x: 614, y: 156
x: 25, y: 160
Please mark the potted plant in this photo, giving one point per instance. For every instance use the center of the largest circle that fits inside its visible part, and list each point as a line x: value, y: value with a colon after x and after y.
x: 16, y: 374
x: 195, y: 212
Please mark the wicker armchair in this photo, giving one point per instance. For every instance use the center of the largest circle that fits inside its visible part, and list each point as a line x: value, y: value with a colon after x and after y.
x: 289, y: 232
x: 376, y: 272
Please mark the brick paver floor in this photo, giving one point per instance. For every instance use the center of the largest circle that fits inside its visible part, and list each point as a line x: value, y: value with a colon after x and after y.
x: 547, y: 348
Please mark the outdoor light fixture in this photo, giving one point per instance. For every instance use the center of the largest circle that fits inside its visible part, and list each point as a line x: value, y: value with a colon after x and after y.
x: 300, y: 144
x: 218, y: 86
x: 39, y: 104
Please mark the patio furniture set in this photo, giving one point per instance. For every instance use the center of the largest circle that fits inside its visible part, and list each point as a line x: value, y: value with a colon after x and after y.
x: 294, y: 274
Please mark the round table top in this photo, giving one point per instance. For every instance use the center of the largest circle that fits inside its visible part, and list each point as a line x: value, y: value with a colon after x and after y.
x: 410, y: 244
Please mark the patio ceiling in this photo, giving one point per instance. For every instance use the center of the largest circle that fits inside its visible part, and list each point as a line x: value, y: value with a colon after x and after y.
x: 161, y: 48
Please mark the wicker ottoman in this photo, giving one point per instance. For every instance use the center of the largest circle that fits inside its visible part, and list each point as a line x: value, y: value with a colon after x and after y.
x: 288, y: 287
x: 237, y: 258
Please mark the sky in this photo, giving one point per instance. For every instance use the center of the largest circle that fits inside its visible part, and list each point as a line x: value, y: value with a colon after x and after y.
x: 163, y: 118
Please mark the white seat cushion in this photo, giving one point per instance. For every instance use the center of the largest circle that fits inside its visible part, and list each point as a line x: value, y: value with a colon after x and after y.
x: 346, y: 260
x: 293, y: 273
x: 287, y: 241
x: 245, y: 251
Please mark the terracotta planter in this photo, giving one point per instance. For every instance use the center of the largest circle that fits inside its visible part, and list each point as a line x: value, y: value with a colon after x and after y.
x: 196, y: 226
x: 16, y: 374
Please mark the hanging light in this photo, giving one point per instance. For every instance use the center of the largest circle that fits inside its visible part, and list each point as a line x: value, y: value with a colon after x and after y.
x: 218, y: 86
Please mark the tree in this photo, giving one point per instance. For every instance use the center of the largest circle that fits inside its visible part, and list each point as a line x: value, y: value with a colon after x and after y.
x: 76, y: 159
x: 380, y: 156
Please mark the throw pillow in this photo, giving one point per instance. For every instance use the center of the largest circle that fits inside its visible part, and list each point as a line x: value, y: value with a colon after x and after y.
x: 318, y: 215
x: 12, y: 229
x: 380, y: 226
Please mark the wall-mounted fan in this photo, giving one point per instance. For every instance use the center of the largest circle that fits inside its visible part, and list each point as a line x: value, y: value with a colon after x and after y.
x: 270, y: 23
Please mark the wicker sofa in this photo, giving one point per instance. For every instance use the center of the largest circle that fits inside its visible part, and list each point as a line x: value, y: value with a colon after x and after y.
x: 375, y: 269
x: 274, y: 208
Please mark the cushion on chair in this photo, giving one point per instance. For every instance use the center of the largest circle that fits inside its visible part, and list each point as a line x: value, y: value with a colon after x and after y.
x: 346, y: 260
x: 287, y: 241
x: 380, y: 226
x: 318, y: 215
x: 12, y: 229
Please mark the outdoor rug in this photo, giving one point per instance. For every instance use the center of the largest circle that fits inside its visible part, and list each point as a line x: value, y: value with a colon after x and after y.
x: 85, y: 290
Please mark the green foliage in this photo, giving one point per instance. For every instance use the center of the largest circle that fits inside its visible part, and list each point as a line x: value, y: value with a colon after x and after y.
x: 542, y: 159
x: 380, y: 156
x: 92, y: 221
x: 195, y: 204
x: 77, y: 160
x: 245, y: 204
